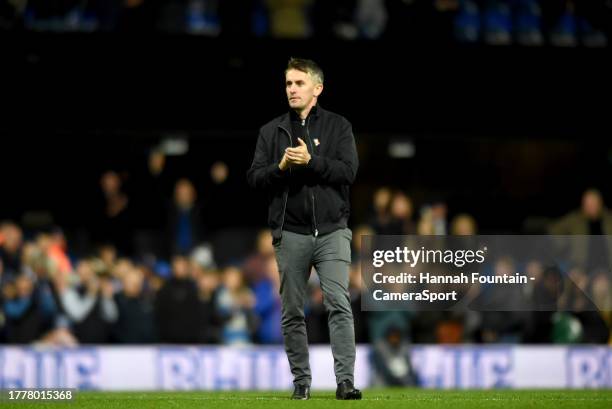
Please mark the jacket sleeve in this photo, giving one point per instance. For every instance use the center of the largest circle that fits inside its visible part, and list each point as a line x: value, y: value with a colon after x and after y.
x: 343, y: 168
x: 264, y: 173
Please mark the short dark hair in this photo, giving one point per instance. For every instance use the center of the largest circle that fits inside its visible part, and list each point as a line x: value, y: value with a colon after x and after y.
x: 308, y: 66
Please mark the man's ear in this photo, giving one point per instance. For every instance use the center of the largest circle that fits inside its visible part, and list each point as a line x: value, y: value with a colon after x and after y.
x: 318, y: 89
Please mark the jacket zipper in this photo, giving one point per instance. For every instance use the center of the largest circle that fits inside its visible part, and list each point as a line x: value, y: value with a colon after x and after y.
x: 286, y: 189
x: 314, y: 214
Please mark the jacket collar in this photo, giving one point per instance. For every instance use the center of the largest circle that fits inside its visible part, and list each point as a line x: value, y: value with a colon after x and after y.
x: 285, y: 121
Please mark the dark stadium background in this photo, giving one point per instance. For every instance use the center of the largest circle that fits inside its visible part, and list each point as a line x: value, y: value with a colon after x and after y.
x: 504, y: 133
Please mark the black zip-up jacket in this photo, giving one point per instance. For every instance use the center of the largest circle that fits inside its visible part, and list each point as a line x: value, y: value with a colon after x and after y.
x: 328, y: 175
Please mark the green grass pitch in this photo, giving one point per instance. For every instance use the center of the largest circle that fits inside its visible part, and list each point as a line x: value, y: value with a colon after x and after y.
x: 372, y: 399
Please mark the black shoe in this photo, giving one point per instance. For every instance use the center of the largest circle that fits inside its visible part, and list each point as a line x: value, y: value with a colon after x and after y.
x: 301, y: 392
x: 346, y: 391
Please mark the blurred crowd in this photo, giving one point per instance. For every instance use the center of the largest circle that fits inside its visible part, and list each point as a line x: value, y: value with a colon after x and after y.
x: 49, y: 297
x: 497, y: 22
x: 188, y: 288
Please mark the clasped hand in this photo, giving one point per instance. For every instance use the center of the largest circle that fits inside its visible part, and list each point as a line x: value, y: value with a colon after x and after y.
x: 295, y: 156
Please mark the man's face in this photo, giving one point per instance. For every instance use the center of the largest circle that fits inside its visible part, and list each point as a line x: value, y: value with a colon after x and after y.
x: 592, y: 204
x: 301, y: 89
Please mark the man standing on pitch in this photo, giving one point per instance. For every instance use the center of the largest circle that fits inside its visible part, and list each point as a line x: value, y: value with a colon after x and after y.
x: 306, y: 160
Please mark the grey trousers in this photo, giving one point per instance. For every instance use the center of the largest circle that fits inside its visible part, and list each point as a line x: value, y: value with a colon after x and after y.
x: 330, y: 254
